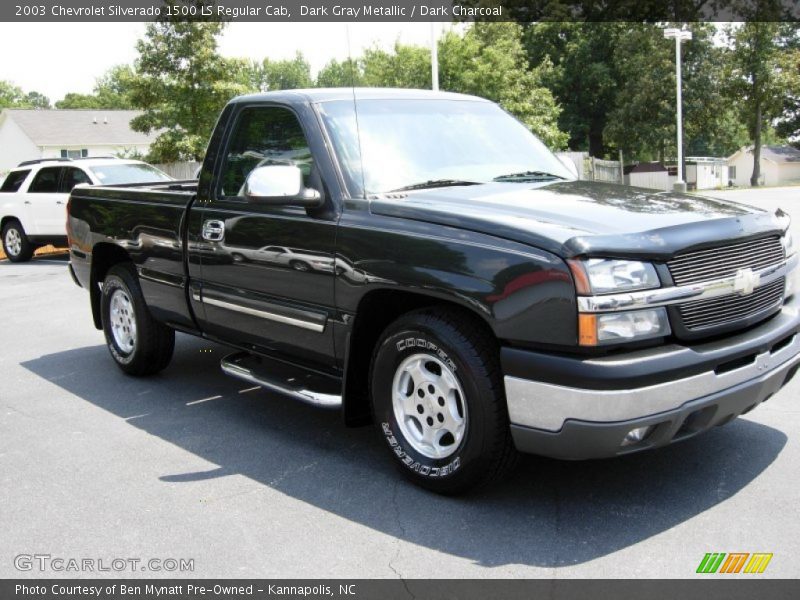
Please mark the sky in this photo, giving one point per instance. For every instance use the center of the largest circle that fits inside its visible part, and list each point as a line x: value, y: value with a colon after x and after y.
x: 56, y: 58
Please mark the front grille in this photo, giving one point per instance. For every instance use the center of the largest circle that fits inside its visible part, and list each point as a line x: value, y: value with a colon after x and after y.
x: 725, y: 261
x: 701, y: 314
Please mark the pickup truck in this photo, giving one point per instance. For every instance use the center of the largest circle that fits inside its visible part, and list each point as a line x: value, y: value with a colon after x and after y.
x: 501, y: 304
x: 33, y: 197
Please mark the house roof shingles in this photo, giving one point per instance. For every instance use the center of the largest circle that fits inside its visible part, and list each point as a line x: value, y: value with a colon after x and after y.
x: 781, y: 154
x: 77, y: 127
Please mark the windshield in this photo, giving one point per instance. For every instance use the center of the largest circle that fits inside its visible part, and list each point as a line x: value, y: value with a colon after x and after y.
x: 112, y: 174
x: 411, y: 143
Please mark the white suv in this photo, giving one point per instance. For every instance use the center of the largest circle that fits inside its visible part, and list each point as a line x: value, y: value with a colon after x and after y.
x: 33, y: 197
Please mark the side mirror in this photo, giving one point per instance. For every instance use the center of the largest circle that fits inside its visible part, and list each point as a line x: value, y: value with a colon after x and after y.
x: 279, y: 185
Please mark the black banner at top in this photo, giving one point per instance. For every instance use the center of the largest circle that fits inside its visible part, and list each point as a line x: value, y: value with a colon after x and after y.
x: 399, y: 10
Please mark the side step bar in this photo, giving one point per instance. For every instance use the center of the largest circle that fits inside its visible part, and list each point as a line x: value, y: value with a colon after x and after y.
x: 301, y: 384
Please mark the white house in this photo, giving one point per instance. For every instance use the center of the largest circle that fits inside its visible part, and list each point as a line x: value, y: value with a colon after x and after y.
x: 779, y: 165
x: 28, y: 134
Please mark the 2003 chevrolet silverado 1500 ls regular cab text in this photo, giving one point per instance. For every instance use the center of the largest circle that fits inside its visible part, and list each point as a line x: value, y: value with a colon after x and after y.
x: 446, y: 278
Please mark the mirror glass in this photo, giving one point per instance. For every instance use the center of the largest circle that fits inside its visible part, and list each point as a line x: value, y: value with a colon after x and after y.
x: 273, y: 181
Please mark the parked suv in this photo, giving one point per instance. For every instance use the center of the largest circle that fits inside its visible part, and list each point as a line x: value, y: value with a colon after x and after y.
x: 33, y: 197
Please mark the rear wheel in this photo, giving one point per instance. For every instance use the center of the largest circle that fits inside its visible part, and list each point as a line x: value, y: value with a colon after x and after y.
x: 15, y: 243
x: 139, y: 344
x: 439, y: 403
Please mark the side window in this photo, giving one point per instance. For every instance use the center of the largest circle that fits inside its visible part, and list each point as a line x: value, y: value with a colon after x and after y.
x: 14, y: 180
x: 72, y: 177
x: 46, y: 181
x: 262, y: 136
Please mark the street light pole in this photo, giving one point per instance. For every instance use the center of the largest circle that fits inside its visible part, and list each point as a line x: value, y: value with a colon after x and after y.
x: 434, y: 59
x: 679, y: 35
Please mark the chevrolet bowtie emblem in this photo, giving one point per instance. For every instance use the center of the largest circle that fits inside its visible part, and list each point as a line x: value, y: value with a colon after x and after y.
x: 745, y: 282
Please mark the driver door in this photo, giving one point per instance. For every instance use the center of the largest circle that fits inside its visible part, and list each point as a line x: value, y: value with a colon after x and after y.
x: 263, y: 303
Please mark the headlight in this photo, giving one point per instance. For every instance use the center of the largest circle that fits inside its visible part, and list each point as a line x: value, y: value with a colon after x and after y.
x: 788, y: 243
x: 619, y: 327
x: 604, y: 276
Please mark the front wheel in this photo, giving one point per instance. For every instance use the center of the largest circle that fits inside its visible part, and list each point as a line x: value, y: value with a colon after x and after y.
x: 139, y: 344
x: 15, y: 243
x: 439, y: 403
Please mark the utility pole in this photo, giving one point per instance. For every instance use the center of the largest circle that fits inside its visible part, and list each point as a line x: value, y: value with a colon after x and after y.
x: 434, y: 58
x: 679, y: 35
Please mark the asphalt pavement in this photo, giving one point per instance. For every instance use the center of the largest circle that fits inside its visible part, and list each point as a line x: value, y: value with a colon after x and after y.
x: 194, y: 465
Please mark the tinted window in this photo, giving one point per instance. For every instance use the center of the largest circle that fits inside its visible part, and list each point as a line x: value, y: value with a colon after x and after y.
x: 71, y: 178
x: 263, y: 136
x: 46, y: 181
x: 14, y: 180
x: 112, y: 174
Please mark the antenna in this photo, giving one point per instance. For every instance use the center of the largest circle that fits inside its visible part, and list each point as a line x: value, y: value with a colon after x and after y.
x: 355, y: 104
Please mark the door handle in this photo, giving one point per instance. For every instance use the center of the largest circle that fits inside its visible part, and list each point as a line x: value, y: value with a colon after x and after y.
x: 213, y: 231
x: 27, y: 201
x: 59, y: 202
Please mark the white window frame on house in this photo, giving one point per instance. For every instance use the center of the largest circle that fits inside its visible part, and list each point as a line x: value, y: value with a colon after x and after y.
x: 82, y: 153
x: 732, y: 172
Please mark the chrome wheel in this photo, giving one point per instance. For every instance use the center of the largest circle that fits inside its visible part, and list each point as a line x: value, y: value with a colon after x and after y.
x: 429, y: 405
x: 13, y: 242
x: 123, y: 321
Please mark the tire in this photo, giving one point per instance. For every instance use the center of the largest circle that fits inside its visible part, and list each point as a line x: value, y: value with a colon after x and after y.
x: 459, y: 395
x: 15, y: 243
x: 237, y: 258
x: 139, y: 344
x: 299, y: 265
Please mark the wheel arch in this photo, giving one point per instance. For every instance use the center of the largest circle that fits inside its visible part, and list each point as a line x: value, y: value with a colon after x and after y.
x: 104, y: 256
x: 376, y: 311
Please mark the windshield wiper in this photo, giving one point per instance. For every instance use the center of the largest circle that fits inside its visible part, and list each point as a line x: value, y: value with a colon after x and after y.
x: 528, y: 176
x: 434, y: 183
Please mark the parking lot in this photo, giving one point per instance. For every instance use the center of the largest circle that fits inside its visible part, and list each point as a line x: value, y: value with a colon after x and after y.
x: 191, y: 464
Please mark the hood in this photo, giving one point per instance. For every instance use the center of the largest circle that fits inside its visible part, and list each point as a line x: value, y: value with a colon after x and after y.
x: 586, y: 218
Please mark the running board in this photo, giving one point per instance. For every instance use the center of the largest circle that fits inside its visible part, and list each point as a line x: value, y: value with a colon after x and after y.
x: 301, y: 384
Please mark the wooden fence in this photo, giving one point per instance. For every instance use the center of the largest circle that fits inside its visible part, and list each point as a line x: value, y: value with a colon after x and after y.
x: 180, y: 170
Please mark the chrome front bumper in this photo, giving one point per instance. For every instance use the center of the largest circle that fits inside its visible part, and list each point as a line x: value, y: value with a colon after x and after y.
x: 590, y: 418
x: 547, y: 406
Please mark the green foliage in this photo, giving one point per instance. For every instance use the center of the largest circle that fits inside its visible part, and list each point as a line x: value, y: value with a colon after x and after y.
x: 111, y: 92
x: 642, y: 121
x: 584, y: 77
x: 346, y: 73
x: 182, y: 84
x: 12, y: 96
x: 760, y: 74
x: 487, y: 60
x: 270, y: 75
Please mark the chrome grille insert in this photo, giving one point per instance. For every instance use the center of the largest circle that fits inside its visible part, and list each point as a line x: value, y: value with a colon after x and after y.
x: 725, y: 261
x: 729, y: 309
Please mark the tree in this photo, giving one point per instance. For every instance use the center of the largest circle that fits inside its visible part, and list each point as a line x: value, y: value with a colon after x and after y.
x: 12, y: 96
x: 758, y: 80
x: 489, y: 60
x: 111, y: 92
x: 346, y: 73
x: 641, y: 119
x: 405, y: 67
x: 584, y: 78
x: 289, y: 74
x: 788, y: 125
x: 182, y: 84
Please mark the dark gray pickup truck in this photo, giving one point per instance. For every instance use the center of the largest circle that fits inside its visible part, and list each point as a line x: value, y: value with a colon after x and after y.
x: 421, y: 261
